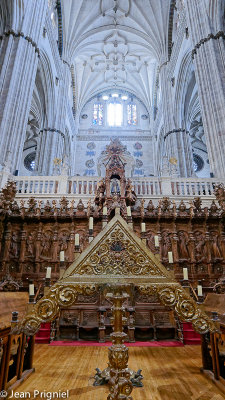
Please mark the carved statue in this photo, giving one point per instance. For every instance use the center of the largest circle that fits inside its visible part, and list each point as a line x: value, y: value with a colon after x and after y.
x: 215, y: 248
x: 100, y: 193
x: 30, y: 244
x: 166, y: 244
x: 130, y: 193
x: 46, y: 245
x: 63, y: 241
x: 165, y: 204
x: 219, y: 192
x: 213, y: 208
x: 182, y: 245
x: 114, y: 186
x: 182, y: 207
x: 200, y: 246
x: 197, y: 204
x: 150, y: 206
x: 13, y: 250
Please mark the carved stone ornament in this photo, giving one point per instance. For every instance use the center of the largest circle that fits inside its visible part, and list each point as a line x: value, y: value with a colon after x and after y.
x: 115, y: 256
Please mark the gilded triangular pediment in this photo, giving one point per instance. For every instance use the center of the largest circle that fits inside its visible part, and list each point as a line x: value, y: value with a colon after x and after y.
x: 117, y: 252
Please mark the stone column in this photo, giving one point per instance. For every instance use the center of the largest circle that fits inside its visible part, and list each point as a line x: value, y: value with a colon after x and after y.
x: 177, y: 143
x: 18, y: 67
x: 51, y: 146
x: 205, y: 22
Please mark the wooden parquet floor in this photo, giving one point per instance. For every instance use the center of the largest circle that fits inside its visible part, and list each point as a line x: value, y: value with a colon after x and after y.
x: 169, y: 373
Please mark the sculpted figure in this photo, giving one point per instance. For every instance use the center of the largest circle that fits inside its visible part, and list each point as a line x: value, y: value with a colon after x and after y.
x: 166, y: 244
x: 182, y: 244
x: 200, y: 246
x: 215, y: 247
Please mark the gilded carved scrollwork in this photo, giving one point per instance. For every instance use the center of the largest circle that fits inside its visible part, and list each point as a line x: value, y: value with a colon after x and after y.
x: 47, y: 308
x: 118, y: 255
x: 174, y: 296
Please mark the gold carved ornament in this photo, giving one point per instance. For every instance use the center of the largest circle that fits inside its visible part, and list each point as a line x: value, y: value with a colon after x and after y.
x: 174, y: 296
x: 117, y: 255
x: 47, y: 308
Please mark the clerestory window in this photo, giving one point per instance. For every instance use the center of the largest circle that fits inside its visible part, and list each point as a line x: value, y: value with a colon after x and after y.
x: 115, y: 114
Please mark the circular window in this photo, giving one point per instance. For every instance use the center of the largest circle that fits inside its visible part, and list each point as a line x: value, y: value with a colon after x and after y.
x: 84, y: 116
x: 29, y: 161
x: 198, y: 163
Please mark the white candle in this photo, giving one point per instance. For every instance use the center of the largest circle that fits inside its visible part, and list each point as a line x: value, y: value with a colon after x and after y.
x: 143, y: 228
x: 185, y: 274
x: 48, y: 272
x: 91, y: 223
x: 199, y: 290
x: 156, y: 241
x: 105, y: 210
x: 170, y: 257
x: 128, y: 211
x: 77, y: 239
x: 61, y: 256
x: 31, y: 289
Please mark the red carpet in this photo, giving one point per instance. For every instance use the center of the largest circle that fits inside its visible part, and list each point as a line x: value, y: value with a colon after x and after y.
x: 162, y: 343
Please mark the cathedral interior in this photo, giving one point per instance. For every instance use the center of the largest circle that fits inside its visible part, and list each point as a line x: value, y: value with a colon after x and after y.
x: 112, y: 199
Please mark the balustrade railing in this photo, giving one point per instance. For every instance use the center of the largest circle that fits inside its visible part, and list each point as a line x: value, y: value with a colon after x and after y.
x: 85, y: 187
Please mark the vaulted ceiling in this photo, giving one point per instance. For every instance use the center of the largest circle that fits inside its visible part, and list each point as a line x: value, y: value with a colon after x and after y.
x: 115, y: 44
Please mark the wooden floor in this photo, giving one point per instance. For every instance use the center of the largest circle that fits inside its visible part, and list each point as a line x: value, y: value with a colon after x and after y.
x: 169, y: 373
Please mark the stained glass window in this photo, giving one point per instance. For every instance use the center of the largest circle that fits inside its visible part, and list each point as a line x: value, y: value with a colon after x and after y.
x: 132, y: 114
x: 115, y: 114
x: 98, y: 114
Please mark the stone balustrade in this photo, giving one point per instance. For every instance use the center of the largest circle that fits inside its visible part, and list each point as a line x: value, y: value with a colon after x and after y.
x: 54, y: 187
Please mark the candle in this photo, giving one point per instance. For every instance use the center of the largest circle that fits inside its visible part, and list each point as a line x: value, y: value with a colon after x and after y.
x: 48, y: 272
x: 91, y: 223
x: 156, y: 241
x: 143, y: 228
x: 61, y: 256
x: 31, y: 289
x: 170, y: 257
x: 77, y: 239
x: 185, y: 274
x: 105, y: 210
x: 199, y: 290
x: 128, y: 211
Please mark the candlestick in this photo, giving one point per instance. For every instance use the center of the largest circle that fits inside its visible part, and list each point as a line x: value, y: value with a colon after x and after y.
x: 31, y: 289
x: 48, y: 273
x: 170, y: 257
x: 104, y: 210
x: 128, y: 211
x: 77, y: 239
x: 61, y: 256
x: 185, y: 274
x: 156, y: 238
x: 143, y: 228
x: 199, y: 290
x: 91, y: 223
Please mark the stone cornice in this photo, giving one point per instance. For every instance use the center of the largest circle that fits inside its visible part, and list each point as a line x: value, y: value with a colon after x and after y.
x: 21, y: 34
x: 107, y: 138
x: 174, y: 131
x: 218, y: 35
